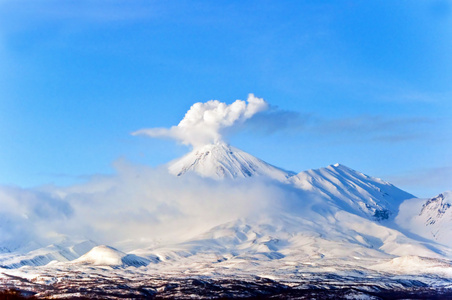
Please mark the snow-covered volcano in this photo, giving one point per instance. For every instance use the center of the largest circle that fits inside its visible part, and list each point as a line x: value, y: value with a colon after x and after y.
x: 220, y: 160
x: 332, y: 220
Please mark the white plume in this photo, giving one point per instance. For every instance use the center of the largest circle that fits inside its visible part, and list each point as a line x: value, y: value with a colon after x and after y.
x: 203, y: 123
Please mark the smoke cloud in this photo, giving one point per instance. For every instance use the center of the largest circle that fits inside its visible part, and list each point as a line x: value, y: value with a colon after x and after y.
x: 204, y: 123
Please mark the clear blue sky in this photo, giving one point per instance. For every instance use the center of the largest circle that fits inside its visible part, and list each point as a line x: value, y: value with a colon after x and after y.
x: 364, y: 83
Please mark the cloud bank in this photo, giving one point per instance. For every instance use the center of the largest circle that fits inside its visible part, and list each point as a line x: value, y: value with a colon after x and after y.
x: 135, y: 208
x: 204, y: 123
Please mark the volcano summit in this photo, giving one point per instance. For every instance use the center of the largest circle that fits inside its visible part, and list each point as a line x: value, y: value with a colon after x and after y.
x: 223, y: 161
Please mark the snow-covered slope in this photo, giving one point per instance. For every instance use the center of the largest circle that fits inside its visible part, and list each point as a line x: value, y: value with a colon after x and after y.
x: 430, y: 218
x: 416, y: 265
x: 310, y: 237
x: 353, y: 191
x: 223, y: 161
x: 62, y: 252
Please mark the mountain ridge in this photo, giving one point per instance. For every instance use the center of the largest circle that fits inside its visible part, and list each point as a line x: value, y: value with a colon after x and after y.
x: 333, y: 218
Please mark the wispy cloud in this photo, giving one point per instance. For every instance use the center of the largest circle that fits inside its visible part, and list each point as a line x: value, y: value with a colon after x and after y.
x: 375, y: 128
x: 408, y: 95
x: 370, y: 123
x: 433, y: 179
x: 276, y: 120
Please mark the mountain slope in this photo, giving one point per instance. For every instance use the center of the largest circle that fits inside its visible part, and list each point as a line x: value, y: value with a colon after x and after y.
x: 430, y: 218
x: 287, y: 243
x: 353, y: 191
x: 223, y: 161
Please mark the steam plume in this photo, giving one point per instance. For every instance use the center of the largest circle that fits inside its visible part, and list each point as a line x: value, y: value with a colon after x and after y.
x: 204, y: 122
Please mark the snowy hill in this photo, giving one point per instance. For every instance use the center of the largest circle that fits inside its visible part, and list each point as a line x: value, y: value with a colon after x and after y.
x: 223, y: 161
x: 108, y: 256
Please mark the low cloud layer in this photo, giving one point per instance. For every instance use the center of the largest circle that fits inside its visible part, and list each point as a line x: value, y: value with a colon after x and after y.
x: 137, y: 207
x: 205, y: 123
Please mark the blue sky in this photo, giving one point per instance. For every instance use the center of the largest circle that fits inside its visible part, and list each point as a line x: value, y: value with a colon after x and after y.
x: 364, y: 84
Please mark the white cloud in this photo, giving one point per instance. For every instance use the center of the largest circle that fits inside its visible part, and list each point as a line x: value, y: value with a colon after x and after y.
x: 205, y: 123
x: 139, y: 204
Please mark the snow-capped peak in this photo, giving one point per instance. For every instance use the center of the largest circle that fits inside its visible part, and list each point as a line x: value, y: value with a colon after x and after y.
x: 220, y: 160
